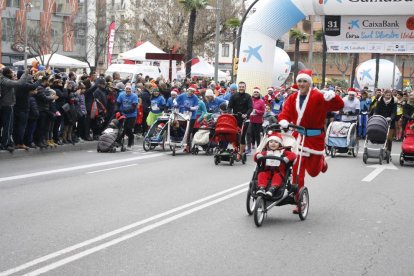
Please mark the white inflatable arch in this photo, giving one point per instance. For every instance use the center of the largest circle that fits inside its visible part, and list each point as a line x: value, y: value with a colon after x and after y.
x: 273, y: 18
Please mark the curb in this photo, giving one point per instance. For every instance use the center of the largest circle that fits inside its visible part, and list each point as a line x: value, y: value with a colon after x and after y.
x: 87, y: 145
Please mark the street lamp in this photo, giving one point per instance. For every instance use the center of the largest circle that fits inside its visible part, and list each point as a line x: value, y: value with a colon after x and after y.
x: 27, y: 5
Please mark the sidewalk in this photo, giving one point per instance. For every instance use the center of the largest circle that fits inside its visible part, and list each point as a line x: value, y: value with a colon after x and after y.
x: 86, y: 145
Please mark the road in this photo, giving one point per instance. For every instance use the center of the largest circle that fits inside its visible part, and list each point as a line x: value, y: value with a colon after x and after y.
x: 137, y: 213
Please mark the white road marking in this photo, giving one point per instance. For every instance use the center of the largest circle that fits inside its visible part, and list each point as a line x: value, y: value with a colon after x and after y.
x: 130, y: 235
x: 378, y: 169
x: 117, y: 231
x: 110, y: 169
x: 28, y: 175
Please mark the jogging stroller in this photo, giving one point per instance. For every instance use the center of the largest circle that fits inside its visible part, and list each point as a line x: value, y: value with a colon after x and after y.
x: 227, y: 132
x: 341, y: 137
x: 157, y: 134
x: 178, y: 130
x: 112, y: 137
x: 375, y: 145
x: 407, y: 146
x: 258, y: 205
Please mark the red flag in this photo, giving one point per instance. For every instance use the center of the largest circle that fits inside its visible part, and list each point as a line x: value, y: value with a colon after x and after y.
x: 111, y: 39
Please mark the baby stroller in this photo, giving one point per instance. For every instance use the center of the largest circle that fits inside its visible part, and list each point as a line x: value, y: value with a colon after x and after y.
x: 341, y: 137
x: 204, y: 137
x: 375, y: 145
x: 407, y: 147
x: 178, y: 130
x: 226, y: 132
x: 112, y: 137
x: 157, y: 134
x: 258, y: 205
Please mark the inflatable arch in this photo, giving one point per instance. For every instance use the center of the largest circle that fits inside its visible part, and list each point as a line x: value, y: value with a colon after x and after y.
x: 273, y: 18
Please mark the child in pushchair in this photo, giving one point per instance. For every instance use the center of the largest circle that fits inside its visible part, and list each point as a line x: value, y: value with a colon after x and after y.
x: 113, y: 136
x: 273, y: 171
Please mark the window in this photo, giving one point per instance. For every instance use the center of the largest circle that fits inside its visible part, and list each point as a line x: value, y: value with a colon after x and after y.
x: 12, y: 3
x: 8, y: 29
x: 225, y: 50
x: 57, y: 31
x: 80, y: 34
x: 37, y: 4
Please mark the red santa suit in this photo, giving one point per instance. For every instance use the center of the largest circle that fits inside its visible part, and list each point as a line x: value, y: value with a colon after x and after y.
x: 275, y: 167
x: 311, y: 116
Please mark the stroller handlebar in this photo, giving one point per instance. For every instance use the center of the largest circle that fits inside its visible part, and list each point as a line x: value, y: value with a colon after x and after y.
x: 279, y: 158
x: 290, y: 126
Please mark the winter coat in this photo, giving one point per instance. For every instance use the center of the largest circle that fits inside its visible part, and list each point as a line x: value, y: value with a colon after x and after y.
x: 43, y: 99
x: 33, y: 108
x: 7, y: 89
x: 256, y: 117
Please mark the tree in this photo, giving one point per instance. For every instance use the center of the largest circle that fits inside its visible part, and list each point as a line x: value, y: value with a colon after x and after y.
x: 320, y: 36
x: 298, y: 36
x: 342, y: 63
x: 191, y: 6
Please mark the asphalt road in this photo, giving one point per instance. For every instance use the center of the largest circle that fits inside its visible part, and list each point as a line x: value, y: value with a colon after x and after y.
x: 137, y: 213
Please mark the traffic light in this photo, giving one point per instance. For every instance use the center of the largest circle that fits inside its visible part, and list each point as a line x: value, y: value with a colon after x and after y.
x: 235, y: 65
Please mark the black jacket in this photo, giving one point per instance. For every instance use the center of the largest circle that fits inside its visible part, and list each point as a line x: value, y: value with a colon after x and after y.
x: 33, y: 109
x: 43, y: 99
x: 241, y: 102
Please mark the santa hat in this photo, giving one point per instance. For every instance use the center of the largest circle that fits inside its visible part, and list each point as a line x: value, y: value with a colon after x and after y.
x: 222, y: 91
x: 193, y: 87
x: 351, y: 91
x: 209, y: 92
x: 305, y: 74
x: 294, y: 87
x: 174, y: 91
x: 270, y: 89
x: 275, y: 137
x: 256, y: 89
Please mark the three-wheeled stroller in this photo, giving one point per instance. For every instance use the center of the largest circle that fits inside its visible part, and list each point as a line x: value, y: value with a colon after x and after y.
x: 157, y: 134
x: 375, y: 145
x: 259, y: 205
x: 227, y: 132
x: 407, y: 146
x: 178, y: 130
x: 113, y: 136
x: 341, y: 137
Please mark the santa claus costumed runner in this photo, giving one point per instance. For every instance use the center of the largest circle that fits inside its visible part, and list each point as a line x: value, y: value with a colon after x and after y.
x: 308, y: 108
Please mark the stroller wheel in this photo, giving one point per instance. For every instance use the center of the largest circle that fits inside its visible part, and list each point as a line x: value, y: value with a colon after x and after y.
x: 333, y: 152
x: 173, y: 150
x: 216, y: 160
x: 146, y: 144
x: 401, y: 159
x: 259, y: 212
x: 365, y: 157
x: 123, y: 149
x: 250, y: 203
x: 231, y: 161
x: 303, y: 203
x: 327, y: 151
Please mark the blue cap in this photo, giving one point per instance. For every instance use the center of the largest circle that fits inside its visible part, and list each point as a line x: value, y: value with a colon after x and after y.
x: 233, y: 86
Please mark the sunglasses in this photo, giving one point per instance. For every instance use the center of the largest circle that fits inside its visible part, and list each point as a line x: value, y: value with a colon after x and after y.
x: 304, y: 81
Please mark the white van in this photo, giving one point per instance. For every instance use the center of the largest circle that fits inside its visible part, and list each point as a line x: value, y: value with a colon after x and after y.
x: 131, y: 70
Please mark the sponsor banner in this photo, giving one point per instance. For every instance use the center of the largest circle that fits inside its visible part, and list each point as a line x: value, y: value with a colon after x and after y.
x: 364, y: 7
x: 369, y: 34
x: 111, y: 39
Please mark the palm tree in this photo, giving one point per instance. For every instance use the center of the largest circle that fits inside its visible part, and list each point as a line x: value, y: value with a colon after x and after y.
x: 298, y: 36
x: 234, y: 24
x: 191, y: 6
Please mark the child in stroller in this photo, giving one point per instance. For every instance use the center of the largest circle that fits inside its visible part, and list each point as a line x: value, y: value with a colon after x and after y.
x: 112, y: 136
x: 274, y: 171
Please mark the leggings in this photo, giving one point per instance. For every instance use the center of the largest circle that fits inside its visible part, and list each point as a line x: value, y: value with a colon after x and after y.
x: 256, y: 129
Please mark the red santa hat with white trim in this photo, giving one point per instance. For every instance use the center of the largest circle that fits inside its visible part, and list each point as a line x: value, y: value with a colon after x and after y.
x: 274, y: 136
x: 305, y: 74
x: 352, y: 91
x: 294, y: 87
